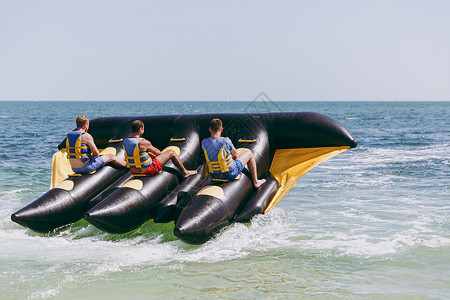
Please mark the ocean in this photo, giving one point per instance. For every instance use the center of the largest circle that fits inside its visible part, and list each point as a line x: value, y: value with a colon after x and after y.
x: 370, y: 223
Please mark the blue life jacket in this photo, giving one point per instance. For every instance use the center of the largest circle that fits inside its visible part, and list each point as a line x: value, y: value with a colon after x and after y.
x: 75, y: 147
x: 133, y: 156
x: 218, y: 155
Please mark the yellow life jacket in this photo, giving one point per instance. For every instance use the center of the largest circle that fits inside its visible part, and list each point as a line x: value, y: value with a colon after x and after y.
x: 222, y: 163
x: 75, y: 147
x: 133, y: 156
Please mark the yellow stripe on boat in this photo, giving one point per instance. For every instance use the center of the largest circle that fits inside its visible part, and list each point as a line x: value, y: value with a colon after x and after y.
x: 174, y: 148
x: 136, y: 184
x: 115, y: 141
x: 108, y: 150
x: 211, y: 190
x: 65, y: 185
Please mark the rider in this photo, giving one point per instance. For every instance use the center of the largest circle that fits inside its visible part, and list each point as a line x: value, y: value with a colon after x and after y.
x: 222, y: 160
x: 143, y: 158
x: 83, y: 154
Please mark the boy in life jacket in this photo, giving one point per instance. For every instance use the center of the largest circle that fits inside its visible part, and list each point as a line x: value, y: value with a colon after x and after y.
x: 82, y: 151
x: 143, y: 158
x: 221, y: 157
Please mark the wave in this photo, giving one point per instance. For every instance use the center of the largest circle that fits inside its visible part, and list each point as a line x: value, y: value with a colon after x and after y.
x: 364, y: 245
x: 97, y: 255
x: 14, y: 192
x: 371, y: 156
x: 367, y: 118
x: 81, y: 253
x: 17, y: 194
x: 276, y: 230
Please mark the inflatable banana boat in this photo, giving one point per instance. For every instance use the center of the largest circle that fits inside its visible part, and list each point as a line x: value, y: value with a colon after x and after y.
x: 285, y: 147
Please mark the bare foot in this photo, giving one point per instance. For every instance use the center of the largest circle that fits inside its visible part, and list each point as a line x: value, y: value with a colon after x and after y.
x: 189, y: 173
x: 259, y: 183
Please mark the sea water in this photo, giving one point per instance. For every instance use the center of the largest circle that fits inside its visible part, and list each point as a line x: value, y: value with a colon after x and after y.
x: 371, y: 223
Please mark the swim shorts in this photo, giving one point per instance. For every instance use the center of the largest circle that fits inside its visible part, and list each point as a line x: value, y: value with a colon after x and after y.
x: 153, y: 169
x: 91, y: 165
x: 235, y: 169
x: 234, y: 172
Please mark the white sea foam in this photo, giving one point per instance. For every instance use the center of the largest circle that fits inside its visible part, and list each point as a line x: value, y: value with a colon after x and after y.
x: 366, y: 118
x: 44, y: 294
x: 365, y: 245
x: 266, y: 232
x: 275, y: 230
x: 384, y: 157
x: 359, y: 215
x: 79, y: 259
x: 13, y: 194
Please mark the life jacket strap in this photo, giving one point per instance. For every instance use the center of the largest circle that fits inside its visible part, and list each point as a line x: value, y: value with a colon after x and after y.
x: 222, y: 164
x: 138, y: 159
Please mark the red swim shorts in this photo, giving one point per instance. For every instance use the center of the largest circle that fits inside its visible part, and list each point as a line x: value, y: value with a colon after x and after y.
x: 153, y: 169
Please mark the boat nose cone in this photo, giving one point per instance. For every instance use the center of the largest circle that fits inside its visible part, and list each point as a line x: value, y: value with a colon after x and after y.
x: 99, y: 220
x: 25, y: 217
x: 178, y: 231
x: 94, y: 216
x: 200, y: 220
x: 87, y: 216
x: 15, y: 218
x: 190, y: 235
x: 28, y: 218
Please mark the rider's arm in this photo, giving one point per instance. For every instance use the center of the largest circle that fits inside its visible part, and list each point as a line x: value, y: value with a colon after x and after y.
x: 205, y: 169
x: 146, y: 146
x: 233, y: 153
x: 231, y: 148
x: 89, y: 140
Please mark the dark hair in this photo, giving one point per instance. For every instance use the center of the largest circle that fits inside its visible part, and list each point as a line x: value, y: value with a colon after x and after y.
x: 136, y: 126
x: 81, y: 120
x: 215, y: 125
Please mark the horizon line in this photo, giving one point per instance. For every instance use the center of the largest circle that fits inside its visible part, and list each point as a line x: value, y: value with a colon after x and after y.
x: 224, y: 100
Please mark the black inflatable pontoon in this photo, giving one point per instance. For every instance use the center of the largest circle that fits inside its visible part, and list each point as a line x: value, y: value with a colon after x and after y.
x: 285, y: 147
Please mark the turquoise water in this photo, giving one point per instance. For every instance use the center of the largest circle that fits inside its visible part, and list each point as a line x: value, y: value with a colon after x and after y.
x: 371, y: 223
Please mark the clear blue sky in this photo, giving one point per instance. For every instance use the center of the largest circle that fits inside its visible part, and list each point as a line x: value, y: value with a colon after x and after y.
x: 212, y: 50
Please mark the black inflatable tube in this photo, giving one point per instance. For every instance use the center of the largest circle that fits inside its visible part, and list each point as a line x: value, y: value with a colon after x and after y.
x: 286, y: 130
x: 116, y: 185
x: 259, y: 201
x: 216, y: 205
x: 127, y: 208
x: 166, y: 210
x: 206, y: 214
x: 59, y: 207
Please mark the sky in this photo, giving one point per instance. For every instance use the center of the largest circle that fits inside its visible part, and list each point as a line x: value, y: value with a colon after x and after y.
x: 316, y: 50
